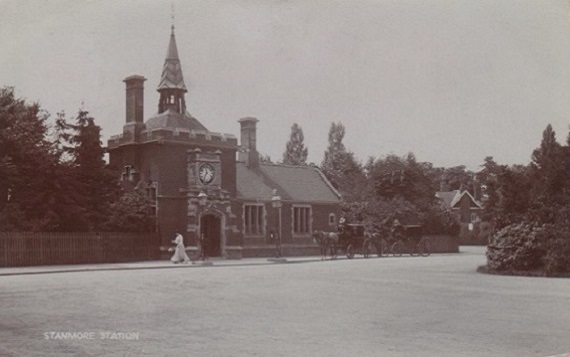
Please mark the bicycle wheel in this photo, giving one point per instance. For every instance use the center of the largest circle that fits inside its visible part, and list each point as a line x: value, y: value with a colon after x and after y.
x: 414, y: 251
x: 424, y: 247
x: 350, y: 251
x: 366, y: 249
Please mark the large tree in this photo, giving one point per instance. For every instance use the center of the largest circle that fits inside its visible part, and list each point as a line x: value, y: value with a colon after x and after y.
x: 38, y: 192
x: 404, y: 177
x: 295, y: 150
x: 97, y: 184
x: 341, y: 167
x: 549, y: 170
x: 532, y: 212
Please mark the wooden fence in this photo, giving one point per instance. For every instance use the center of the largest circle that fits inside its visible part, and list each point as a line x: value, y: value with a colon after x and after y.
x: 55, y: 248
x: 443, y: 243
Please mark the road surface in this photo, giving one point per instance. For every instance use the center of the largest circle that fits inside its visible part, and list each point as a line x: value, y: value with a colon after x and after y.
x: 408, y: 306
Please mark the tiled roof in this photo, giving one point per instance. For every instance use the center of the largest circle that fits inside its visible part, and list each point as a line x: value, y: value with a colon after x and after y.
x: 447, y: 196
x: 293, y: 183
x: 171, y: 119
x: 458, y: 198
x: 452, y: 198
x: 172, y: 71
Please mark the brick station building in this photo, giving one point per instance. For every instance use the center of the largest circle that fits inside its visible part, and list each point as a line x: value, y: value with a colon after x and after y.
x: 202, y: 182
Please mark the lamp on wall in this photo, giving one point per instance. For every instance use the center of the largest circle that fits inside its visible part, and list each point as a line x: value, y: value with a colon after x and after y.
x: 277, y: 203
x: 202, y: 200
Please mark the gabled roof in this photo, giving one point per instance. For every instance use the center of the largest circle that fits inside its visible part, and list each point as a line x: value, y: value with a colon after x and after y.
x: 172, y: 71
x: 171, y: 119
x: 458, y: 197
x: 447, y: 196
x: 293, y: 183
x: 452, y: 198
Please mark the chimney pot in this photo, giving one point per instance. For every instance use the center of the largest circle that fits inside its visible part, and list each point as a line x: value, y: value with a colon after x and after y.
x: 134, y: 106
x: 248, y: 152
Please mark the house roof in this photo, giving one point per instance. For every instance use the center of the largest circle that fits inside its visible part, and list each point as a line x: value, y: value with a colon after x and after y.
x: 447, y: 196
x: 452, y: 198
x: 458, y: 197
x: 293, y: 183
x: 172, y: 120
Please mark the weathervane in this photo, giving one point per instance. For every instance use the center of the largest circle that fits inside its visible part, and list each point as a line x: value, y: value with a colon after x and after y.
x: 172, y: 16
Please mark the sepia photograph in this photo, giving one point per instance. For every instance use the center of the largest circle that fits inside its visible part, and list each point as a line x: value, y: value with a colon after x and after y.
x: 284, y: 178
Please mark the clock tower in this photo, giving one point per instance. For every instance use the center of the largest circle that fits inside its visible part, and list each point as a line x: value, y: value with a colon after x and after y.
x: 204, y: 170
x: 210, y: 210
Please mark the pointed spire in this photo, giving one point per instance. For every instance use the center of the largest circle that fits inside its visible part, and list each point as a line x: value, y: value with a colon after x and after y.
x: 171, y: 86
x: 172, y: 77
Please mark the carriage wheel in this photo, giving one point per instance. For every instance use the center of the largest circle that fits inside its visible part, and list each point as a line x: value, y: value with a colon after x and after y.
x: 383, y: 249
x: 424, y: 247
x: 350, y: 251
x: 397, y: 249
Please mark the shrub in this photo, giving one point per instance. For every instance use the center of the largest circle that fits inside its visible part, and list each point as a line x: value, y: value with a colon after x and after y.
x: 557, y: 256
x: 516, y: 247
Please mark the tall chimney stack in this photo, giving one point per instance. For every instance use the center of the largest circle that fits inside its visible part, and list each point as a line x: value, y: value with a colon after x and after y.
x: 248, y: 152
x: 134, y: 107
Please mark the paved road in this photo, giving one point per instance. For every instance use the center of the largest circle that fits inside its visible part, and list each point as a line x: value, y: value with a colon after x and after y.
x: 435, y: 306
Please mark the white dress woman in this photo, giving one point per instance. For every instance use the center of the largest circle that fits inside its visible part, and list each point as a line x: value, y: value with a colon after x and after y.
x: 179, y: 252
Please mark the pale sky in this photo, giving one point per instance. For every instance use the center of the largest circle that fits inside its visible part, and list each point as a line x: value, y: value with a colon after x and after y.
x: 451, y: 81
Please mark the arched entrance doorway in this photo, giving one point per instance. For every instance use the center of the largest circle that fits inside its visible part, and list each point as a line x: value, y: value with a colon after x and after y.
x: 210, y: 226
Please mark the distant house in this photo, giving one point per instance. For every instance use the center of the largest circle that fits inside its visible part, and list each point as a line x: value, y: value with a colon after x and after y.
x: 464, y: 206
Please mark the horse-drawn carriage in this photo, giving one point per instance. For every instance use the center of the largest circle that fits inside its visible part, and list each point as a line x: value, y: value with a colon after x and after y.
x: 353, y: 240
x: 350, y: 240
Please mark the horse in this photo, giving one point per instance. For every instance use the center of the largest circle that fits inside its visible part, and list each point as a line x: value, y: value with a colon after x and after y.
x: 326, y: 240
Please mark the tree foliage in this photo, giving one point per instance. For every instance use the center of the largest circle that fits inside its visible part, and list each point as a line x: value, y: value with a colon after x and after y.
x: 32, y: 198
x: 131, y: 213
x: 341, y: 167
x: 51, y: 184
x: 96, y: 183
x: 295, y: 150
x: 549, y: 170
x: 532, y: 212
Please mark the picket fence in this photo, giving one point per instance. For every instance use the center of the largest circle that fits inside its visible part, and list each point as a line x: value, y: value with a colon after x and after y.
x: 54, y: 248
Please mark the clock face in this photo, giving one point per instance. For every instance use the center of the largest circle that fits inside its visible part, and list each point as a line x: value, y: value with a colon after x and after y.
x: 206, y: 173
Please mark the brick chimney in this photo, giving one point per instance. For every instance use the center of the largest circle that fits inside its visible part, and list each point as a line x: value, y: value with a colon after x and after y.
x: 248, y: 151
x: 134, y: 107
